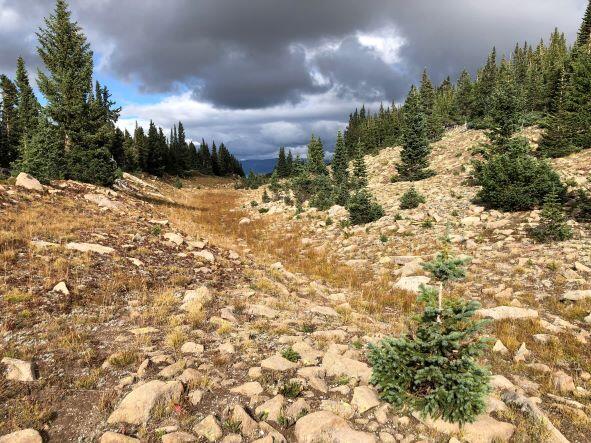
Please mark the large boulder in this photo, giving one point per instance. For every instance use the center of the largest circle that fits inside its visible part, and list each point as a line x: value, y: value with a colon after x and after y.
x: 324, y: 426
x: 136, y: 407
x: 24, y: 436
x: 26, y: 181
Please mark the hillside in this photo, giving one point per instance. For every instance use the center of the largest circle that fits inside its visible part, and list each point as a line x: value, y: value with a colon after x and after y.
x: 151, y: 313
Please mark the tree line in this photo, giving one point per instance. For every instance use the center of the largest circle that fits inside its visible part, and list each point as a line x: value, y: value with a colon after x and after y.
x: 548, y: 79
x: 74, y: 135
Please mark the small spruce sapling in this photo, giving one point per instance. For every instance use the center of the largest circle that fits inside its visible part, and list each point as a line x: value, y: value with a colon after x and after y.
x: 411, y: 199
x: 433, y: 369
x: 553, y: 226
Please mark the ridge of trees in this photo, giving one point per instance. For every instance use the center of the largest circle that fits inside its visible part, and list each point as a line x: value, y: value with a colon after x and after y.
x: 74, y: 135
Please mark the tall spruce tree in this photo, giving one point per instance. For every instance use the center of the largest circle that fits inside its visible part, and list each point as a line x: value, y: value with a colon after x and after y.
x: 316, y: 163
x: 215, y: 161
x: 414, y: 163
x: 289, y: 163
x: 506, y: 107
x: 340, y: 162
x: 28, y: 106
x: 359, y: 179
x: 428, y: 98
x: 584, y: 34
x: 42, y: 152
x: 67, y: 87
x: 281, y: 167
x: 487, y: 78
x: 9, y: 122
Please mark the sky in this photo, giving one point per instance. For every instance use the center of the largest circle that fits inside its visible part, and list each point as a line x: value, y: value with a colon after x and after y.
x: 259, y: 74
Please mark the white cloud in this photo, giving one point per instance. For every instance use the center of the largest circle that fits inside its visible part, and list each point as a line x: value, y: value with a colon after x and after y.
x: 251, y: 133
x: 10, y: 20
x: 385, y: 43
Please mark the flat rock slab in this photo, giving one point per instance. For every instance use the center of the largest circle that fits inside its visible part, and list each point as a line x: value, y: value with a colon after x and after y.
x: 508, y: 313
x: 337, y: 365
x: 113, y: 437
x: 412, y: 284
x: 577, y: 295
x: 248, y: 389
x: 324, y: 426
x: 24, y: 436
x: 19, y: 370
x: 102, y: 201
x: 136, y: 407
x: 277, y: 363
x: 484, y: 430
x: 90, y: 247
x: 263, y: 311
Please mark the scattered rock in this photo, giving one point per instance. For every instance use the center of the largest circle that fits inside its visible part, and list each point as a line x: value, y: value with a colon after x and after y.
x: 209, y: 429
x: 24, y: 436
x: 278, y: 363
x: 364, y: 398
x: 577, y: 295
x: 248, y: 389
x: 412, y: 284
x: 113, y: 437
x: 62, y: 288
x: 26, y: 181
x: 507, y: 312
x: 324, y: 426
x: 175, y: 238
x: 19, y: 370
x: 90, y: 247
x: 136, y: 407
x: 337, y: 365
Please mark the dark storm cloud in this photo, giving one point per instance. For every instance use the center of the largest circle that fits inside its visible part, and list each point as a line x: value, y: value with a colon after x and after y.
x: 238, y: 53
x: 277, y: 55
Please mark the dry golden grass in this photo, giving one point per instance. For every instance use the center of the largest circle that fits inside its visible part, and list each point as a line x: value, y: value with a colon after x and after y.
x: 215, y: 215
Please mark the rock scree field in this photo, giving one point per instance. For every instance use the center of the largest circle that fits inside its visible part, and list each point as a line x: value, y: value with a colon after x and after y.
x: 145, y: 312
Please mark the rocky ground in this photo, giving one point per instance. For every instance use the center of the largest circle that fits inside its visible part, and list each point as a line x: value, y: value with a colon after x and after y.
x: 149, y: 313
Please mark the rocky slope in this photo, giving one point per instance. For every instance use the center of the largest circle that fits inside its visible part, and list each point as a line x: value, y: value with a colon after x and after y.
x: 155, y: 314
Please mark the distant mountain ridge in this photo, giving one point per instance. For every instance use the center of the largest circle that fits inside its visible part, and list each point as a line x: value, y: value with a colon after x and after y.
x: 262, y: 166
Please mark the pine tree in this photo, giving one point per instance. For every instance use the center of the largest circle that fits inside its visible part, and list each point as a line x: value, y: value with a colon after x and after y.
x: 428, y: 98
x: 359, y: 179
x: 28, y: 106
x: 281, y: 167
x: 289, y: 164
x: 584, y: 34
x: 130, y: 153
x: 10, y: 123
x: 66, y: 54
x: 485, y: 85
x: 204, y: 156
x: 141, y: 147
x: 433, y: 369
x: 117, y: 146
x: 316, y: 163
x: 553, y: 226
x: 506, y: 107
x: 215, y: 162
x: 67, y: 87
x: 42, y: 152
x: 415, y: 150
x: 339, y: 162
